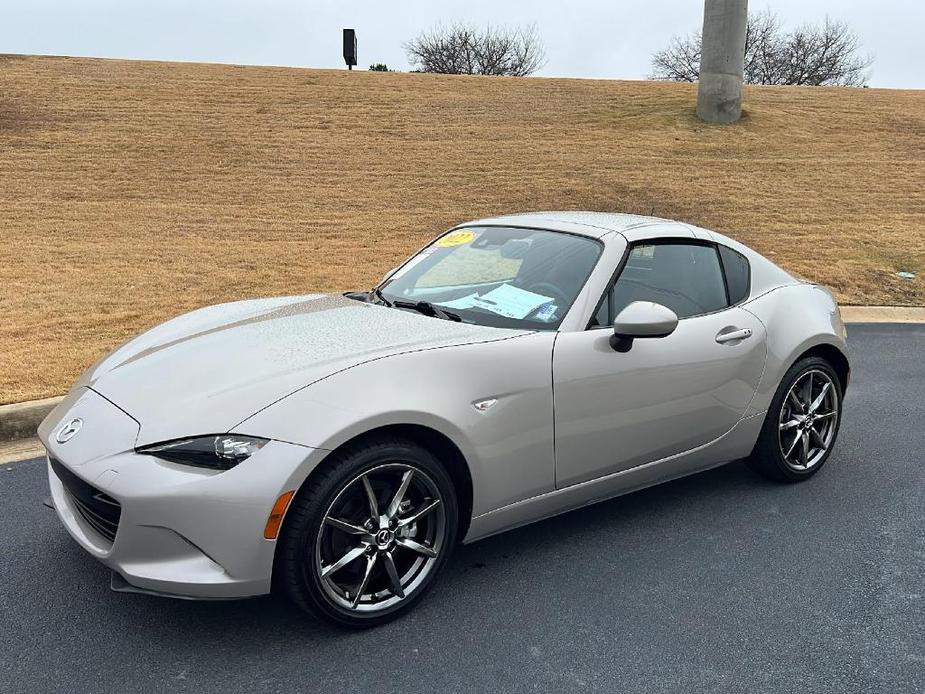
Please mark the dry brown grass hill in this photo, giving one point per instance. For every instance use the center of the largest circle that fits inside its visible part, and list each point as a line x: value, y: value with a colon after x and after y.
x: 133, y: 191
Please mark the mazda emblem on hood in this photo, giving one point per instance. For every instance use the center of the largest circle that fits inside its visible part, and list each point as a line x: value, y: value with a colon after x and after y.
x: 69, y: 430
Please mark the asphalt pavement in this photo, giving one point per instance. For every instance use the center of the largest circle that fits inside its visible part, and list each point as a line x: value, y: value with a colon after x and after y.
x: 718, y: 582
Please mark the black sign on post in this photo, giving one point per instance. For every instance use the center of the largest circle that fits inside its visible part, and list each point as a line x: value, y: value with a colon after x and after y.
x: 350, y: 48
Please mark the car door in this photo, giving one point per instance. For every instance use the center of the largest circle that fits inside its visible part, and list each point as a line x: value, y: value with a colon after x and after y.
x: 616, y: 410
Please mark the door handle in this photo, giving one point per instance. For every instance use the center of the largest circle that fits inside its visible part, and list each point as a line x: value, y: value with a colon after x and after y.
x: 734, y: 335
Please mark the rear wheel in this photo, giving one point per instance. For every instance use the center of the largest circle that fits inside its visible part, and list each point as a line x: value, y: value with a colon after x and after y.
x: 367, y: 537
x: 802, y: 423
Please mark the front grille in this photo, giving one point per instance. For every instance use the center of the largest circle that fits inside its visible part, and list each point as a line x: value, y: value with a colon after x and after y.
x: 99, y: 510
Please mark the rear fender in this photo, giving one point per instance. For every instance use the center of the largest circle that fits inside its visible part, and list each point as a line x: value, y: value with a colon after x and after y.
x: 797, y: 318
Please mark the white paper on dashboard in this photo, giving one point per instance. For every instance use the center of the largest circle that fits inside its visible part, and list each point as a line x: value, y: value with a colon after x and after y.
x: 511, y: 302
x: 462, y: 302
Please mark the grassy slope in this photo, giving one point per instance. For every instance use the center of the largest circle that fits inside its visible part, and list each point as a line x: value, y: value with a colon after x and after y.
x: 133, y: 191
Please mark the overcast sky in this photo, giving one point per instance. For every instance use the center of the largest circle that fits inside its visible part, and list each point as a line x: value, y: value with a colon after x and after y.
x: 584, y: 38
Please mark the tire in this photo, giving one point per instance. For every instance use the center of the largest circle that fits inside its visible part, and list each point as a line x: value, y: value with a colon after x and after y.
x: 780, y: 453
x: 391, y: 562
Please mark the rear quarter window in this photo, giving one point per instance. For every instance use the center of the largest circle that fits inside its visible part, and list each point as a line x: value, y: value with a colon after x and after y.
x: 738, y: 274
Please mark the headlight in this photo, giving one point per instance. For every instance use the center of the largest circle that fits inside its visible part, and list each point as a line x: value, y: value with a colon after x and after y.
x: 216, y: 452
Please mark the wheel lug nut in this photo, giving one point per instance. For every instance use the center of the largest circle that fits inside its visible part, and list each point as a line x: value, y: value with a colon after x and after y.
x: 393, y: 523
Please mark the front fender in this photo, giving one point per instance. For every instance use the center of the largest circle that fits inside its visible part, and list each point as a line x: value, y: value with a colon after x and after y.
x: 508, y: 447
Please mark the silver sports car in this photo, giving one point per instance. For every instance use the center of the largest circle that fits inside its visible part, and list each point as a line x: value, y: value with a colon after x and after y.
x: 336, y: 447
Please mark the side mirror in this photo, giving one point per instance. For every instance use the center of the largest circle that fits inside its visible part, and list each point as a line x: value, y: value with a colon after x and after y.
x: 641, y: 319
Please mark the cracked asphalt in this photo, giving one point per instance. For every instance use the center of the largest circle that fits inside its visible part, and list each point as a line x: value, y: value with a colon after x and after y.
x: 718, y: 582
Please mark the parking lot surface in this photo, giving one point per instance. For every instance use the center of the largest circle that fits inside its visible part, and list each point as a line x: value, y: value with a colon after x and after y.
x: 718, y: 582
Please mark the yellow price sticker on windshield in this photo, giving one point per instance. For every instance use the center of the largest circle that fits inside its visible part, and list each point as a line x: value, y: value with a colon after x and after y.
x: 456, y: 238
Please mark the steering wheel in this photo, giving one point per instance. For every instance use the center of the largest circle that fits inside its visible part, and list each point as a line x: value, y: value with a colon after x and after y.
x: 551, y: 290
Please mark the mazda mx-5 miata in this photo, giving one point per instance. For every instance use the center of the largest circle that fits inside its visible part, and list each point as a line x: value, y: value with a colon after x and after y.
x: 336, y: 447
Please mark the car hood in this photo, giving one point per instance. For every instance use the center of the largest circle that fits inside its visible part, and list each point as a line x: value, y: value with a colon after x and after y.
x: 209, y: 370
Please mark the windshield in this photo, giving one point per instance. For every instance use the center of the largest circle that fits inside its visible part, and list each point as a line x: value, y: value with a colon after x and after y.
x: 498, y: 276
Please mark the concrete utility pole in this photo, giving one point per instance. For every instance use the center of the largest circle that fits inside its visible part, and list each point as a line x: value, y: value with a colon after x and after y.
x: 722, y: 60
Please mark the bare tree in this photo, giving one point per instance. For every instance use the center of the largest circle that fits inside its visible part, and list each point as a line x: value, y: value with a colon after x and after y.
x: 762, y: 32
x: 680, y: 62
x: 463, y: 49
x: 827, y: 54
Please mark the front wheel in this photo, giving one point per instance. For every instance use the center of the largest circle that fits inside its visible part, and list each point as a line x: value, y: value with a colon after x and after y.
x: 368, y: 535
x: 802, y: 423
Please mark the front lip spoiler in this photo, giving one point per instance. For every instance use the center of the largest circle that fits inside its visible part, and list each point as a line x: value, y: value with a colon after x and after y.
x: 118, y: 584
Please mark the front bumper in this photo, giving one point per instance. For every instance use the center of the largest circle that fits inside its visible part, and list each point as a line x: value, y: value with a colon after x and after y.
x: 182, y: 531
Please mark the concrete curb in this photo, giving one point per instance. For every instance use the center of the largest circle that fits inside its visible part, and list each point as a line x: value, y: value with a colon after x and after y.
x: 19, y: 450
x: 883, y: 314
x: 20, y: 420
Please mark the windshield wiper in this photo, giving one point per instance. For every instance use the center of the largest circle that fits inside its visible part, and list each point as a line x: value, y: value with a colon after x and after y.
x: 428, y: 309
x: 376, y: 292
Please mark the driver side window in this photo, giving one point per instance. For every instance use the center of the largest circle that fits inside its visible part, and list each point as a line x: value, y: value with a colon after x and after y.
x: 685, y: 277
